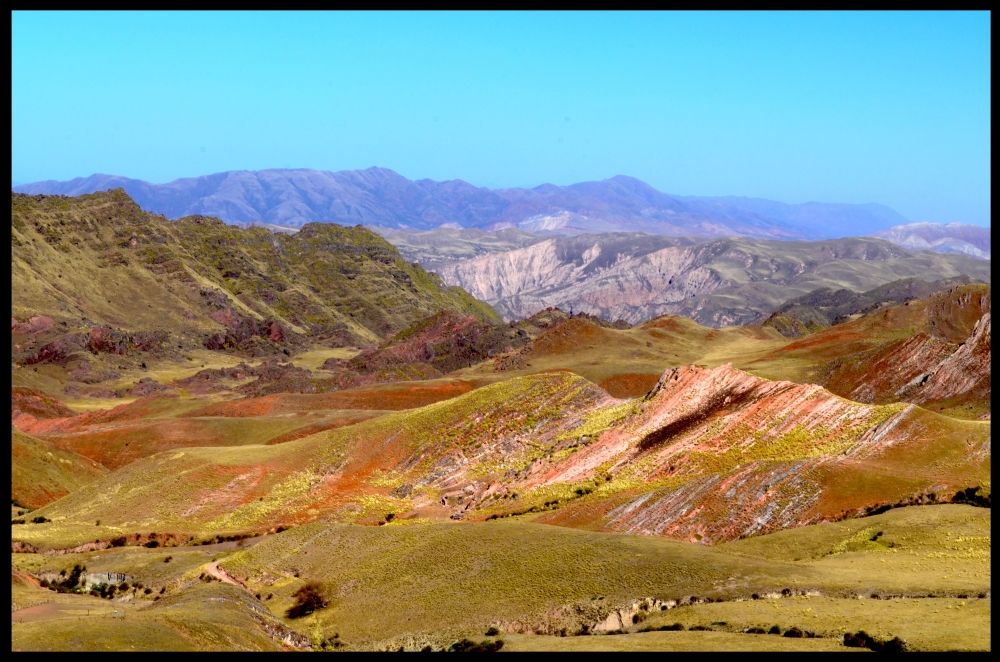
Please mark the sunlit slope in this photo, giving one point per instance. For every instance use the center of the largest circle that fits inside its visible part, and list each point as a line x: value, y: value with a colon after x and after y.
x: 719, y: 454
x: 711, y: 455
x: 117, y: 437
x: 441, y: 459
x: 41, y: 472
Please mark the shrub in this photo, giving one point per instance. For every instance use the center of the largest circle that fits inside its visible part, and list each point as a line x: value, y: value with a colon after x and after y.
x: 676, y: 627
x: 308, y: 599
x: 17, y: 521
x: 774, y: 630
x: 147, y: 590
x: 700, y: 628
x: 152, y: 544
x: 862, y: 639
x: 168, y: 559
x: 468, y: 646
x: 41, y: 519
x: 118, y: 542
x: 756, y: 631
x: 492, y: 632
x: 794, y: 633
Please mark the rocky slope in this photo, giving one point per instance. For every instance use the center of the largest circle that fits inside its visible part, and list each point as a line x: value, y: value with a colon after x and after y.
x: 717, y: 283
x: 972, y: 240
x: 381, y: 197
x: 714, y: 455
x: 893, y: 354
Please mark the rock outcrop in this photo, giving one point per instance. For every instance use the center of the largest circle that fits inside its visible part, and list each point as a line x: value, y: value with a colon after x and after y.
x: 717, y: 283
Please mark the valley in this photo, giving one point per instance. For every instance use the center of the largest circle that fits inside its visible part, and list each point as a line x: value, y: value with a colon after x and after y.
x: 225, y: 438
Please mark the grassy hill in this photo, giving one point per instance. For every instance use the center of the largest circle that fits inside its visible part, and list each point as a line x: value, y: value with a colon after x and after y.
x: 99, y: 260
x: 825, y: 307
x: 42, y: 472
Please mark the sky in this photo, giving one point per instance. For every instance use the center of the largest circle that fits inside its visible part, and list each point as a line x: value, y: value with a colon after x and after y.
x: 891, y: 108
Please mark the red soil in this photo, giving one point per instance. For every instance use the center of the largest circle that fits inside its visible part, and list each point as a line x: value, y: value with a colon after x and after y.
x: 386, y: 397
x: 629, y: 385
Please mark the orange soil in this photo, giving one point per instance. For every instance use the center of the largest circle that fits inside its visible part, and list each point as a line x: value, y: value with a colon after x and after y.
x: 384, y: 397
x: 629, y: 385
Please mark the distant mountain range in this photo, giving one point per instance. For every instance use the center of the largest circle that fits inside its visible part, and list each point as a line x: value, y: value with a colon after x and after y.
x: 379, y: 197
x: 951, y: 238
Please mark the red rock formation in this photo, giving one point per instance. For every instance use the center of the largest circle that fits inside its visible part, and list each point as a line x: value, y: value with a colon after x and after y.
x: 715, y: 455
x: 964, y: 373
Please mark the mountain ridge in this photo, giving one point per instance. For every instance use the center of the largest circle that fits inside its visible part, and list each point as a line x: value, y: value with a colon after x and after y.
x: 377, y: 196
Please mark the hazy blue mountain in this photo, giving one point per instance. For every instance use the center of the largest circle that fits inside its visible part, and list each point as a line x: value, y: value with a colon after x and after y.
x: 383, y: 198
x: 949, y: 238
x: 824, y: 218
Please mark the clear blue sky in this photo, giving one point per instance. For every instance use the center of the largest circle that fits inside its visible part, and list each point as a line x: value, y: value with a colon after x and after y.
x: 874, y: 107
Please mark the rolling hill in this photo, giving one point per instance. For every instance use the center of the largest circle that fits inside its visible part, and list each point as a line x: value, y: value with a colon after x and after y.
x: 100, y: 286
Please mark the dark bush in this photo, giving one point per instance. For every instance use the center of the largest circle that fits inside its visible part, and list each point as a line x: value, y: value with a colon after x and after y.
x: 40, y: 520
x: 862, y: 639
x: 492, y: 632
x: 794, y: 633
x: 44, y: 583
x: 123, y: 586
x: 118, y: 542
x: 168, y: 559
x: 700, y: 628
x: 308, y: 599
x: 774, y: 630
x: 971, y: 496
x: 17, y: 521
x: 468, y: 646
x: 756, y: 631
x: 147, y: 590
x: 676, y: 627
x: 152, y: 544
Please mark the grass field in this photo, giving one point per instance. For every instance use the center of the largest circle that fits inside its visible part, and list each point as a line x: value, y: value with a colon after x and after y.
x: 417, y: 584
x: 668, y: 642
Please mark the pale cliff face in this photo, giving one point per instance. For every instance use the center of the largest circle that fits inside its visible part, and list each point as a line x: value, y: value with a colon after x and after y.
x: 717, y: 283
x: 524, y: 281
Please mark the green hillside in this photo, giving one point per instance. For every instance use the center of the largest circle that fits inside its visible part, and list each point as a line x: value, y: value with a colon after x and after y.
x: 99, y: 259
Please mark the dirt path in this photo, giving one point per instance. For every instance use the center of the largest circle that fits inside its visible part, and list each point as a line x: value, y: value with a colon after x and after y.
x: 220, y: 574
